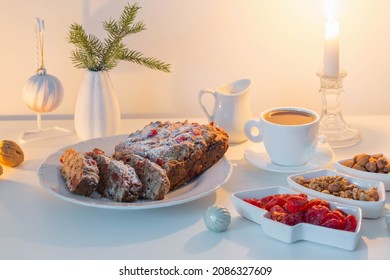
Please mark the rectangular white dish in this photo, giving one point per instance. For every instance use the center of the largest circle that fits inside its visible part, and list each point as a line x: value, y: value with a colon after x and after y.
x: 370, y: 209
x: 385, y: 178
x: 303, y: 231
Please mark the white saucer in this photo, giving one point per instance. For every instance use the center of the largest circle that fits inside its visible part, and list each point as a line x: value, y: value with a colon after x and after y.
x: 257, y: 156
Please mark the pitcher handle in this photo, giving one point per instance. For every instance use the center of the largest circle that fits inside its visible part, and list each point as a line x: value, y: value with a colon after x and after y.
x: 200, y: 95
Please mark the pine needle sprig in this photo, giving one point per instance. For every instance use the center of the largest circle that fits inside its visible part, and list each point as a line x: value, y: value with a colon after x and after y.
x: 151, y: 62
x: 97, y: 55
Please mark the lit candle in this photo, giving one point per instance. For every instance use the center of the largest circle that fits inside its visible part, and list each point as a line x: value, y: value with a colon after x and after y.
x: 331, y: 50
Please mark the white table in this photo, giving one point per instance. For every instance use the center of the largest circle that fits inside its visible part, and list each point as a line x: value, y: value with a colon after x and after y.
x: 37, y: 225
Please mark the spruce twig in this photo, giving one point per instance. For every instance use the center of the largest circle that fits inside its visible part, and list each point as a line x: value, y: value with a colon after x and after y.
x: 97, y: 55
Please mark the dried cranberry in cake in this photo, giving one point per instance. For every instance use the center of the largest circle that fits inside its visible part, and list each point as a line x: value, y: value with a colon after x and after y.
x: 184, y: 150
x: 80, y: 172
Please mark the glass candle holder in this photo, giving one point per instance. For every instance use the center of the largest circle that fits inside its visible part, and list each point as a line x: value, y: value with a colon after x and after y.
x: 332, y: 124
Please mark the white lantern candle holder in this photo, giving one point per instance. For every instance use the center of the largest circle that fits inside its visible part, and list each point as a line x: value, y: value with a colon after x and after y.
x: 42, y: 93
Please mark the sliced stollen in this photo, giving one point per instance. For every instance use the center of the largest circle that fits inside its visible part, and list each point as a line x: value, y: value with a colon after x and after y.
x: 80, y: 172
x: 153, y: 177
x: 118, y: 181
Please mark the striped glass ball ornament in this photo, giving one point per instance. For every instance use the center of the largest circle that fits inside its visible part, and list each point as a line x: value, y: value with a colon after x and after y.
x: 217, y: 218
x: 43, y: 92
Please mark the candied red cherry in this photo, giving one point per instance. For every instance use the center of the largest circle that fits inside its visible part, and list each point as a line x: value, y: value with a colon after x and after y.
x: 266, y: 199
x: 152, y: 133
x: 254, y: 201
x: 316, y: 214
x: 296, y: 203
x: 340, y: 213
x: 332, y: 215
x: 333, y: 223
x: 277, y: 213
x: 276, y: 200
x: 318, y: 201
x: 277, y: 208
x: 160, y: 161
x: 292, y: 219
x: 180, y: 139
x: 350, y: 223
x: 303, y: 195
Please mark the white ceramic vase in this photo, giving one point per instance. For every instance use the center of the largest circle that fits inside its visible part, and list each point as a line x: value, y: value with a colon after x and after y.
x: 97, y: 112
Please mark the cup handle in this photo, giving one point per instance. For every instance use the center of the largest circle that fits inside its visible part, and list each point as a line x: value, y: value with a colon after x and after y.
x: 200, y: 95
x: 248, y: 131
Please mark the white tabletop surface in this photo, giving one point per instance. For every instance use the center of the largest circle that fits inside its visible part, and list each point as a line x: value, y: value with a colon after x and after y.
x: 34, y: 224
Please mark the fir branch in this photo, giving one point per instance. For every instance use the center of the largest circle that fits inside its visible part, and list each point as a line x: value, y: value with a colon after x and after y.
x: 150, y: 62
x: 97, y: 55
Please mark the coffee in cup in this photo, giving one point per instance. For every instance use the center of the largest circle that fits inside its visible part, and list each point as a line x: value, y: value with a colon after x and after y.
x: 289, y: 117
x: 289, y: 134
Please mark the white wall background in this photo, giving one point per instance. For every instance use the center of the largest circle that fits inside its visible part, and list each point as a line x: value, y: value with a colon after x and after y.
x: 276, y: 43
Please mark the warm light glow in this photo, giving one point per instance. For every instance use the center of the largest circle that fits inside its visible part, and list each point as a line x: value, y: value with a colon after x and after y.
x: 331, y: 50
x: 330, y: 10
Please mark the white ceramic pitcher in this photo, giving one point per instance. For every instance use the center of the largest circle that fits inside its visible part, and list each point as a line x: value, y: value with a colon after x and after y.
x: 231, y: 108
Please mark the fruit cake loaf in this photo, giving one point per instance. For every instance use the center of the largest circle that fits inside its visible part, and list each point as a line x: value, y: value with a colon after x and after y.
x: 118, y: 181
x: 183, y: 149
x: 153, y: 176
x: 80, y: 172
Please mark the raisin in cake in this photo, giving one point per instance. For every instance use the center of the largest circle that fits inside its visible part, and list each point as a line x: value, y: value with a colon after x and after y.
x: 80, y: 172
x: 183, y: 149
x: 118, y: 181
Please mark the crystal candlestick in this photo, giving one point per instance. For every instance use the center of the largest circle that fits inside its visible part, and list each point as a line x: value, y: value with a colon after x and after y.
x: 332, y: 124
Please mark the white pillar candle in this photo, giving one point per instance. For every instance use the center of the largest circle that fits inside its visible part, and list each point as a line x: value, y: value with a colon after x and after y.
x: 331, y: 50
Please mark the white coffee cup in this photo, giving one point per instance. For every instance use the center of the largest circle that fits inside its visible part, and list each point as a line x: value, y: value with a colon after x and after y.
x: 289, y: 134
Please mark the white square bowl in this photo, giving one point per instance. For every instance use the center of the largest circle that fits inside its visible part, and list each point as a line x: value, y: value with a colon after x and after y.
x: 370, y: 209
x: 303, y: 231
x: 385, y: 178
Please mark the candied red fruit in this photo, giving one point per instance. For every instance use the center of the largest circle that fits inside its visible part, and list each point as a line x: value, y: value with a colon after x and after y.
x: 316, y: 214
x: 152, y: 133
x: 296, y: 203
x: 292, y: 209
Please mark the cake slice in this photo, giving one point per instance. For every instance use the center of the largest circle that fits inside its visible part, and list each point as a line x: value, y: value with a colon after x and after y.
x: 118, y: 181
x: 153, y: 177
x: 80, y: 172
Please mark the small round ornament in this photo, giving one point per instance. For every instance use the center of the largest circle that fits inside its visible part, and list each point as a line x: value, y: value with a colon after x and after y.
x: 217, y: 218
x: 43, y: 93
